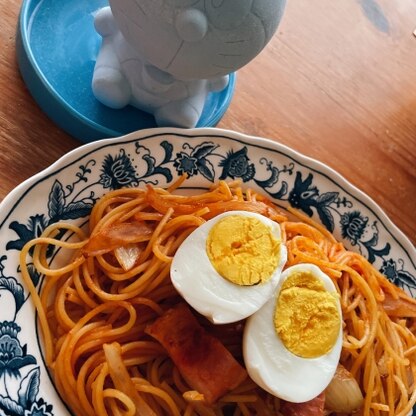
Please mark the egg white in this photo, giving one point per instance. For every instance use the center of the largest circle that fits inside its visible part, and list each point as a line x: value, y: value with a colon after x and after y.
x: 221, y: 301
x: 272, y: 366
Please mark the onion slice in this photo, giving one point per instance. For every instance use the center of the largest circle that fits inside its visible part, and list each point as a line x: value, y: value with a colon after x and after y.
x: 343, y: 394
x: 117, y: 235
x: 122, y: 380
x: 127, y: 256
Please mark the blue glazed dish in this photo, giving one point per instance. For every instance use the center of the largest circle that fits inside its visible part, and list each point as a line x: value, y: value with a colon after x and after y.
x: 56, y: 50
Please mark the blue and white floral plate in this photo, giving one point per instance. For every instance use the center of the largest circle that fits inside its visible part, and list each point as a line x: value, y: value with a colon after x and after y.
x: 68, y: 189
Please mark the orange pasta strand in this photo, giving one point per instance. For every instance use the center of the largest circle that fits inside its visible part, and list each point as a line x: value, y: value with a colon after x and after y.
x: 91, y: 301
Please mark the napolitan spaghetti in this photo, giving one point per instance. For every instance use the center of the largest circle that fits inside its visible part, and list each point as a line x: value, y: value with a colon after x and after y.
x: 93, y: 301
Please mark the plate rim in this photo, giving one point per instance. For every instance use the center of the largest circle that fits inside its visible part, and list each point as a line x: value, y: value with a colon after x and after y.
x: 15, y: 195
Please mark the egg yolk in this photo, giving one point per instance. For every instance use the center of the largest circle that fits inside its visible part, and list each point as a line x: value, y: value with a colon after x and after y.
x: 307, y: 318
x: 243, y: 250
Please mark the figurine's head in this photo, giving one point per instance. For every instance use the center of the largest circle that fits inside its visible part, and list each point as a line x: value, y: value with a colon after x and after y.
x: 196, y: 39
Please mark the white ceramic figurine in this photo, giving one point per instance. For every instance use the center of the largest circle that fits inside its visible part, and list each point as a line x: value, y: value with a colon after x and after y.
x: 165, y: 56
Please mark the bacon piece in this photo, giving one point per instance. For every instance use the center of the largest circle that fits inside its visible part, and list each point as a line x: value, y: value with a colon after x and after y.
x: 202, y: 359
x: 117, y: 235
x: 314, y: 407
x: 403, y: 307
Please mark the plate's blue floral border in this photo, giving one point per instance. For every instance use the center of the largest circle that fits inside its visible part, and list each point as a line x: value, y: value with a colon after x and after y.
x: 20, y: 376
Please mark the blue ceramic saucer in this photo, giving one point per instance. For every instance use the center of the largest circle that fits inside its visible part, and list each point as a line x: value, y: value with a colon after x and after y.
x: 56, y: 48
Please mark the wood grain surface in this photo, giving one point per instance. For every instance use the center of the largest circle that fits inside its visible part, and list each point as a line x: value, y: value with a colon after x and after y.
x: 336, y: 83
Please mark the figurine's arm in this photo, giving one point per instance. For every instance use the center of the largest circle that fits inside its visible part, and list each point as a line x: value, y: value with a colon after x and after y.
x: 104, y: 22
x: 109, y: 84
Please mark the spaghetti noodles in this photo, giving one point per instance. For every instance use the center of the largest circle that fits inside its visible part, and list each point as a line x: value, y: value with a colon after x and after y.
x: 93, y: 301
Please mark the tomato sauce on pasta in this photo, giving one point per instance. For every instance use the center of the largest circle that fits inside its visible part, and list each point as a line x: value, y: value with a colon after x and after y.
x: 93, y: 312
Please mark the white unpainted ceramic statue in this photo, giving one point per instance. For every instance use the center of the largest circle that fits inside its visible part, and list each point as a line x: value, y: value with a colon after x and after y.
x: 165, y: 56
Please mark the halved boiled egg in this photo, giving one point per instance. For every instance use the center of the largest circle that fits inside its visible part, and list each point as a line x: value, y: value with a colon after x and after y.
x: 292, y: 345
x: 230, y: 266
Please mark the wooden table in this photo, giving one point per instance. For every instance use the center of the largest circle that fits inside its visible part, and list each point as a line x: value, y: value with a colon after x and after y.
x: 337, y: 83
